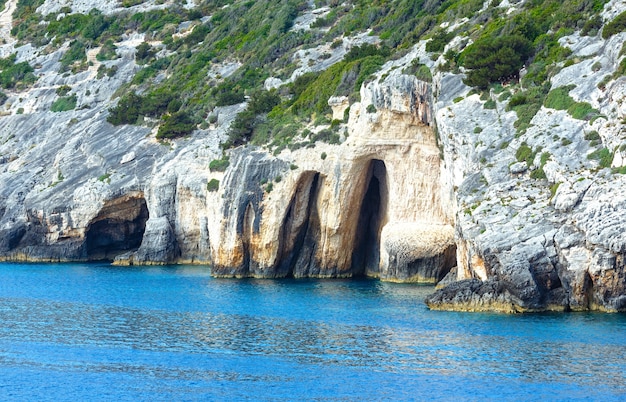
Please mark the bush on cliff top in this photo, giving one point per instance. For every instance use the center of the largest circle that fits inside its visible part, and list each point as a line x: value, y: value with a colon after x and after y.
x: 495, y: 59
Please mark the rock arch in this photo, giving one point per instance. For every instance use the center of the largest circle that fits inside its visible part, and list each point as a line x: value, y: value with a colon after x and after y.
x: 300, y: 229
x: 117, y: 228
x: 247, y: 232
x: 371, y: 219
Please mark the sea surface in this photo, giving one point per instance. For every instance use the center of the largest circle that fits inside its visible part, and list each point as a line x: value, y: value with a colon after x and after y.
x: 89, y: 332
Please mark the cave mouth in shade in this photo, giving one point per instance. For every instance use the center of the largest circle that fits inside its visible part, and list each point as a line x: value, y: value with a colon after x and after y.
x: 372, y: 216
x: 118, y: 228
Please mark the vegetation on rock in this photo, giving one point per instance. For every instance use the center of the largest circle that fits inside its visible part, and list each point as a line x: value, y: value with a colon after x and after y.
x: 185, y: 52
x: 64, y: 104
x: 15, y: 74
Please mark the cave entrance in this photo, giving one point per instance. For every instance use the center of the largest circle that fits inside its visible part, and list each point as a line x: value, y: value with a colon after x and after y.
x: 371, y: 219
x: 118, y: 228
x: 300, y: 230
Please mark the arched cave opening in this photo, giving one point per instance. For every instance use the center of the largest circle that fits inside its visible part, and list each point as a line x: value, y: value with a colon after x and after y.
x: 118, y: 228
x: 247, y: 231
x: 300, y: 229
x: 372, y: 217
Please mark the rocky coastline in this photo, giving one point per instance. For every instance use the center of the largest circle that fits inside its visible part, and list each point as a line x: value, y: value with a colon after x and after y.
x: 425, y: 186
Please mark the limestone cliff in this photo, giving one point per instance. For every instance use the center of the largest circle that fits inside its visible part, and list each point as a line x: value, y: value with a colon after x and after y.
x: 426, y: 184
x: 328, y: 215
x: 532, y: 242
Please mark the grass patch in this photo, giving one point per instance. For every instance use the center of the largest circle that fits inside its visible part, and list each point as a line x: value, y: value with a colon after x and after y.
x: 553, y: 189
x: 524, y: 153
x: 582, y: 111
x: 559, y: 98
x: 603, y: 156
x: 64, y: 104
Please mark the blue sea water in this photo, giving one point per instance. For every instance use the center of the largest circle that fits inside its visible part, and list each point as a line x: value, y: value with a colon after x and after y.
x: 96, y: 332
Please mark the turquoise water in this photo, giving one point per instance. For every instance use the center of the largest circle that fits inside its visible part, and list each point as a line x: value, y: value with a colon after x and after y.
x: 96, y: 332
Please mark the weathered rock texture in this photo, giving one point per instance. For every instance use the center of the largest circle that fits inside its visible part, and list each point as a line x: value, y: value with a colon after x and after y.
x: 426, y: 179
x: 330, y: 216
x: 527, y: 244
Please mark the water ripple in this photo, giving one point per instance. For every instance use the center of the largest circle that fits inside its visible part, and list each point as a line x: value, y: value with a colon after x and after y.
x: 163, y: 334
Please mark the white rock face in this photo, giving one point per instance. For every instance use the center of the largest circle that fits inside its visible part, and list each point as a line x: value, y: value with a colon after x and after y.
x: 105, y: 6
x: 511, y: 227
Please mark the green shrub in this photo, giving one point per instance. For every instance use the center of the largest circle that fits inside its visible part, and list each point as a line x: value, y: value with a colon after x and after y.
x: 619, y: 170
x: 243, y: 127
x: 603, y: 155
x: 11, y: 73
x: 263, y: 101
x: 76, y: 52
x: 108, y: 51
x: 617, y: 25
x: 130, y: 3
x: 323, y: 155
x: 64, y: 104
x: 421, y: 71
x: 63, y: 90
x: 327, y: 136
x: 144, y: 53
x: 213, y: 185
x: 219, y: 165
x: 490, y: 104
x: 366, y: 50
x: 105, y: 177
x: 493, y: 59
x: 370, y: 108
x: 517, y: 100
x: 525, y: 153
x: 592, y: 136
x: 111, y: 71
x: 559, y: 98
x: 175, y: 125
x: 439, y: 41
x: 538, y: 174
x: 592, y: 26
x: 346, y: 114
x: 581, y: 111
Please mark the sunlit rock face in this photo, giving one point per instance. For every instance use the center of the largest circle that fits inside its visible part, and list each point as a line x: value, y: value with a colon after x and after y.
x: 345, y: 208
x: 528, y: 243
